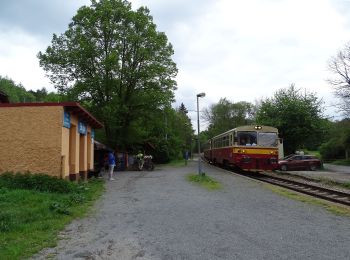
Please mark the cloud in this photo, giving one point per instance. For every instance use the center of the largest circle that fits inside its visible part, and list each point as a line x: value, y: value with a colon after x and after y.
x: 39, y: 17
x: 241, y: 50
x: 18, y: 59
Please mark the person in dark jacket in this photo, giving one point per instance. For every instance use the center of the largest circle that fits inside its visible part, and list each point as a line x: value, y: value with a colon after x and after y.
x: 111, y: 164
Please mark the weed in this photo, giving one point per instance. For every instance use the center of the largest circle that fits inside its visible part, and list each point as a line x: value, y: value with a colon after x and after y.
x: 204, y: 181
x: 331, y: 207
x: 39, y: 182
x: 32, y: 216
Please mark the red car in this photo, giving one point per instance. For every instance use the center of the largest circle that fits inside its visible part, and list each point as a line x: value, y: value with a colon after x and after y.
x: 300, y: 162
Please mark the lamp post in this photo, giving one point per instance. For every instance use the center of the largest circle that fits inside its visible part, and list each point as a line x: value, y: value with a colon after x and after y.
x: 198, y: 142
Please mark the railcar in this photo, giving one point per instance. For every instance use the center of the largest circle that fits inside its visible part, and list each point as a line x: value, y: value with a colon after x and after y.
x: 250, y: 148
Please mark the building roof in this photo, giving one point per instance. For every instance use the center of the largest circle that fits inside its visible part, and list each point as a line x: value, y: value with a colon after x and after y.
x: 73, y: 107
x: 3, y: 97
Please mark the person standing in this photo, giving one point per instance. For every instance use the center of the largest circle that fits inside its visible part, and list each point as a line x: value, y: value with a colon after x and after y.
x: 111, y: 164
x: 186, y: 155
x: 140, y: 160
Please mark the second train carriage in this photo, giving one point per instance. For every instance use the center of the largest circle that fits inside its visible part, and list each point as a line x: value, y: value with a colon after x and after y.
x: 248, y: 147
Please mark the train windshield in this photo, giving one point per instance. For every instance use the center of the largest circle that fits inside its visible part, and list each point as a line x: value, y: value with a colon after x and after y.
x: 268, y: 139
x: 246, y: 138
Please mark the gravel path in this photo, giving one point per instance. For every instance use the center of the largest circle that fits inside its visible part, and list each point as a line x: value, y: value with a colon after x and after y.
x: 159, y: 215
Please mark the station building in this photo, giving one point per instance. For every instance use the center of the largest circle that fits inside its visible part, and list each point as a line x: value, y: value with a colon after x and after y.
x: 51, y: 138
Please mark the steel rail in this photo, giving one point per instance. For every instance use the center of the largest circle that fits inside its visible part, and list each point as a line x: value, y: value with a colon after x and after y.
x: 309, y: 189
x: 313, y: 190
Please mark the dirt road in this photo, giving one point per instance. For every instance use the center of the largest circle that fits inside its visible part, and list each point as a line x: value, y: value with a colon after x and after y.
x: 159, y: 215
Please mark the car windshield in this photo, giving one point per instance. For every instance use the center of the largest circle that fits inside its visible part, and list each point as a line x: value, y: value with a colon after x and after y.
x: 267, y: 139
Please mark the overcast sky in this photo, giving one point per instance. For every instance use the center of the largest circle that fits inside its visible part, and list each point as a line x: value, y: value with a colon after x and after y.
x: 243, y: 50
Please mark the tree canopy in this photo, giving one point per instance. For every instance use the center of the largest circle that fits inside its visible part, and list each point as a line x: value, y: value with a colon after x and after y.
x: 298, y: 117
x: 226, y: 115
x: 16, y: 93
x: 113, y: 60
x: 340, y: 66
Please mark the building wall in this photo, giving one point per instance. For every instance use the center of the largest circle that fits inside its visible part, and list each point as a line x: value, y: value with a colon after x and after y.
x: 77, y: 150
x: 31, y: 139
x: 65, y: 152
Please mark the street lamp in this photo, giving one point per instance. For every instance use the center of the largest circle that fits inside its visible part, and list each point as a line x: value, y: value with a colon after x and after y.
x: 198, y: 142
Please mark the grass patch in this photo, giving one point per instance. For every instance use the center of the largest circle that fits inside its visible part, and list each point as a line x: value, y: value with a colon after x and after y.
x: 331, y: 182
x: 204, y: 181
x: 175, y: 163
x: 341, y: 162
x: 331, y: 207
x: 30, y: 219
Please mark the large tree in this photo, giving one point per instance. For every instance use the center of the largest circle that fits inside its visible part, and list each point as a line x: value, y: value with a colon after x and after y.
x: 226, y: 115
x: 297, y: 115
x: 340, y: 66
x: 115, y: 61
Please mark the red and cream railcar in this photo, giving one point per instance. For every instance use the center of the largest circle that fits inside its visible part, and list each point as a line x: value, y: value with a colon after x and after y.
x: 251, y: 148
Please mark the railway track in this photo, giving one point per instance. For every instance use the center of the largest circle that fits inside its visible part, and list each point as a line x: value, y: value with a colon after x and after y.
x: 309, y: 189
x: 313, y: 190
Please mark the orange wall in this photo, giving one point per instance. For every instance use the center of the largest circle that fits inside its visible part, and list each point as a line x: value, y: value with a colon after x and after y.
x: 31, y: 139
x: 81, y: 161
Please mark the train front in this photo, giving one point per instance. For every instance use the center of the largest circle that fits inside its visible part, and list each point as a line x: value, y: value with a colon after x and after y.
x: 256, y: 149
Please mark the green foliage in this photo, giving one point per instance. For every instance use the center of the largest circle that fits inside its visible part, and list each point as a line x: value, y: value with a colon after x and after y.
x: 42, y: 95
x: 30, y: 220
x: 170, y: 131
x: 342, y: 162
x: 298, y: 117
x: 204, y: 181
x: 338, y: 141
x: 39, y: 182
x: 226, y: 115
x: 114, y: 61
x: 16, y: 93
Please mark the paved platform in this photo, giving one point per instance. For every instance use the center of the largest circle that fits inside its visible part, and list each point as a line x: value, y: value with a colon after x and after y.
x: 333, y: 172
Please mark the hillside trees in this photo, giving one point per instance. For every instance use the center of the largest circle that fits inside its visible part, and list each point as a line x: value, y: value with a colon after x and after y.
x: 226, y: 115
x: 114, y: 61
x: 298, y: 117
x: 338, y: 144
x: 16, y: 93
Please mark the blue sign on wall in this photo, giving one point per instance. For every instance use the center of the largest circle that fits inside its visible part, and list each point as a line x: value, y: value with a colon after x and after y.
x: 82, y: 128
x: 66, y: 119
x: 92, y: 134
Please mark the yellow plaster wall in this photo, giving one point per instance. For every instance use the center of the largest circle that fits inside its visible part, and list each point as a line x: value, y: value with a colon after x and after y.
x: 90, y: 150
x: 30, y: 139
x: 74, y: 121
x: 83, y: 153
x: 65, y: 151
x: 83, y: 160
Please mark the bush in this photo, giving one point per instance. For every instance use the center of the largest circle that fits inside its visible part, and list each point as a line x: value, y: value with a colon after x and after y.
x: 39, y: 182
x: 331, y: 151
x: 162, y: 154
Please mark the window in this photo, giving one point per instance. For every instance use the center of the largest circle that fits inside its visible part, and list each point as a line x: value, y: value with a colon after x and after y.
x: 268, y: 139
x: 246, y: 138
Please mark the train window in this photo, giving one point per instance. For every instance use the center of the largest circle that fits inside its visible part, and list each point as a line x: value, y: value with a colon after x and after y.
x: 268, y: 139
x: 246, y: 138
x: 225, y: 141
